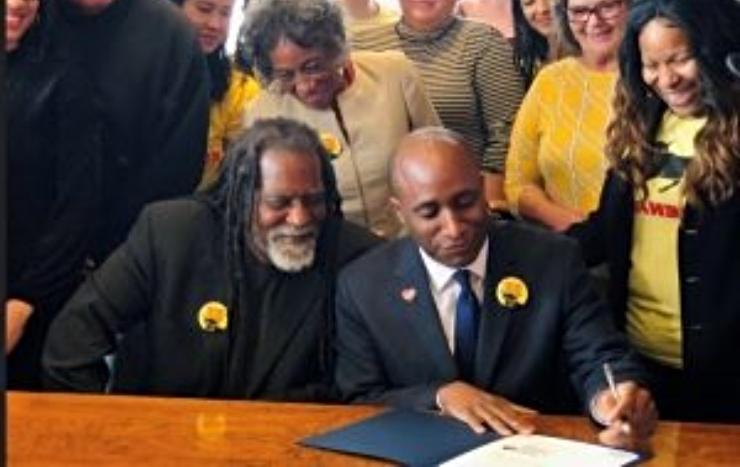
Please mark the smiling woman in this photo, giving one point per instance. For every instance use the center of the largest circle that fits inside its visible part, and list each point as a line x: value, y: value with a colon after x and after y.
x: 360, y: 103
x: 669, y: 215
x: 556, y: 165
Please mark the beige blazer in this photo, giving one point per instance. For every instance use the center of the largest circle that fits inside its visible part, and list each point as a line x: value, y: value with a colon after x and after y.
x: 384, y: 102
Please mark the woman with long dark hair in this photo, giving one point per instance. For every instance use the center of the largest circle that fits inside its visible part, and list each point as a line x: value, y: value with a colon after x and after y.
x: 232, y: 86
x: 535, y: 41
x: 53, y: 158
x: 668, y: 223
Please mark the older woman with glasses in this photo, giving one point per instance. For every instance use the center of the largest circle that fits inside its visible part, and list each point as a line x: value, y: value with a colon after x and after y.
x: 361, y: 104
x: 469, y: 71
x: 556, y: 165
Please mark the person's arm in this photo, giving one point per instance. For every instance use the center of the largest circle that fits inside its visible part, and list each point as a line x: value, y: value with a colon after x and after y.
x: 499, y: 90
x: 628, y: 414
x: 360, y: 378
x: 359, y: 375
x: 522, y: 167
x: 176, y: 162
x: 535, y: 204
x: 419, y: 107
x: 480, y: 409
x: 114, y: 298
x: 17, y: 313
x: 591, y: 233
x: 590, y: 341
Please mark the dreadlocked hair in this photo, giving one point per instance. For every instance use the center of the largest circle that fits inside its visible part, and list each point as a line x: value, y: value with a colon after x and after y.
x: 234, y: 193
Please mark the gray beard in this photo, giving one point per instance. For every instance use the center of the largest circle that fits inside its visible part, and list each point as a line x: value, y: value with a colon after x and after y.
x: 287, y: 253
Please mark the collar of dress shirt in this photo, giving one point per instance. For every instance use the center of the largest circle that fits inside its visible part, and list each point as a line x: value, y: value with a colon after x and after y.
x: 440, y: 275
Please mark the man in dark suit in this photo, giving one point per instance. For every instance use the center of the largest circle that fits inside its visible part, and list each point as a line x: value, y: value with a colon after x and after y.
x: 228, y: 294
x: 475, y: 318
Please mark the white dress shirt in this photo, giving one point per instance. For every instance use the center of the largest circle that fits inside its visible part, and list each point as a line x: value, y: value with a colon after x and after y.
x: 445, y: 289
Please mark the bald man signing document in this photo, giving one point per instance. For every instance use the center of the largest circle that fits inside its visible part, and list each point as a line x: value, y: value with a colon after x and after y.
x: 476, y: 318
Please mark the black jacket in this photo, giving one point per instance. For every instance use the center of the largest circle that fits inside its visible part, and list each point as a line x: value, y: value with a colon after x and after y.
x: 54, y: 156
x: 709, y: 273
x: 391, y: 347
x: 145, y: 63
x: 274, y: 346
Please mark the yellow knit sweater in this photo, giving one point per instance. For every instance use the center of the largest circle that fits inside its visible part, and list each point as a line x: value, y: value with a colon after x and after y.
x: 559, y: 136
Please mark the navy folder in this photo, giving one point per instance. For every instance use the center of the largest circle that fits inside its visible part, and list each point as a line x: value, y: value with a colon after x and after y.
x: 404, y: 436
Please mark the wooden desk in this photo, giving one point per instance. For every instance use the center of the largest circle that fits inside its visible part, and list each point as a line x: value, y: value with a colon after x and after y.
x: 62, y: 429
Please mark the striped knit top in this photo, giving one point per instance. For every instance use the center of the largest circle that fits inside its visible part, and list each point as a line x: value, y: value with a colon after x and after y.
x: 560, y: 134
x: 470, y: 77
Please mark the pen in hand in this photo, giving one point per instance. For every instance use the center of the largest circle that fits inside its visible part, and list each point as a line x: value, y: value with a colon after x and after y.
x: 609, y: 375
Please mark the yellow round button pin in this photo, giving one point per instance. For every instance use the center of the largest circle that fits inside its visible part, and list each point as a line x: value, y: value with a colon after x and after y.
x: 213, y: 316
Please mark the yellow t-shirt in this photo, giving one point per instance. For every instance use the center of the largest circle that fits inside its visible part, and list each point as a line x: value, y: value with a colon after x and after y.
x: 559, y: 136
x: 654, y: 301
x: 226, y: 117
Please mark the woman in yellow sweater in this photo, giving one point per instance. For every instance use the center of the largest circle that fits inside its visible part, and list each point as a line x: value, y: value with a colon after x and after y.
x: 555, y: 167
x: 231, y: 88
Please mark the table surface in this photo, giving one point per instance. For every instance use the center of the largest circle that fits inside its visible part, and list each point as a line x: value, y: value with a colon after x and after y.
x: 103, y: 430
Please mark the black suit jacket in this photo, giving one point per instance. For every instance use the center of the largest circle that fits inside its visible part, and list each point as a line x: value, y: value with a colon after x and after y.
x: 150, y: 291
x: 392, y: 350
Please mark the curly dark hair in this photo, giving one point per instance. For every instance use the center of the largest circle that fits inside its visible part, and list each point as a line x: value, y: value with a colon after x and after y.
x: 531, y: 48
x: 307, y: 23
x: 713, y: 174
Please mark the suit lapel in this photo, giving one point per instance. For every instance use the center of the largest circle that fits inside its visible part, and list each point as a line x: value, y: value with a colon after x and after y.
x: 494, y: 319
x: 413, y: 296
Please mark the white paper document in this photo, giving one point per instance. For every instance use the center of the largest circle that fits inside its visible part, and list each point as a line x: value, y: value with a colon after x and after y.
x: 541, y: 451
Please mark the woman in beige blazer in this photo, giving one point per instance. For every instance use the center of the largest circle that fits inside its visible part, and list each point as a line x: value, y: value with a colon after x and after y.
x: 361, y: 103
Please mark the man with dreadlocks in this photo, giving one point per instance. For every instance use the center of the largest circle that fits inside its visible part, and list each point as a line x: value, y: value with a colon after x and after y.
x: 225, y: 294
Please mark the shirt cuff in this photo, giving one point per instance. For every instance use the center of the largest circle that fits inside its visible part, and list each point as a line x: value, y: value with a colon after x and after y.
x: 594, y: 413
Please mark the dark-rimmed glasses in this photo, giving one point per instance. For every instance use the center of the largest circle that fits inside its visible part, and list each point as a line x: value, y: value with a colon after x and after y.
x: 607, y: 10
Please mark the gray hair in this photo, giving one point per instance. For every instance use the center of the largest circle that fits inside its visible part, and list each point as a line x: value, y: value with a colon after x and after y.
x: 315, y: 24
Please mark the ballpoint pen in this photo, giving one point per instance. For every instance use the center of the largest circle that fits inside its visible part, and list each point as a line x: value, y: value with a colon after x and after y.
x: 609, y: 375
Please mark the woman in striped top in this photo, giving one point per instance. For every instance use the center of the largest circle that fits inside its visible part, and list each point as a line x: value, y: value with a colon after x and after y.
x: 556, y: 164
x: 469, y: 73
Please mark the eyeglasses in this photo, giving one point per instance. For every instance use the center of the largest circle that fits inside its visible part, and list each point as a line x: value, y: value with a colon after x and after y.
x: 604, y: 10
x: 314, y: 69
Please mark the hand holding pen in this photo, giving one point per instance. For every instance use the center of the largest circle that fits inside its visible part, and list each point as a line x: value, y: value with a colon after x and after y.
x: 627, y: 410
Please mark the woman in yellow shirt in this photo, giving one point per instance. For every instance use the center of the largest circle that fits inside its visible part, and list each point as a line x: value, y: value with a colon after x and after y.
x: 668, y: 223
x: 555, y: 167
x: 231, y: 88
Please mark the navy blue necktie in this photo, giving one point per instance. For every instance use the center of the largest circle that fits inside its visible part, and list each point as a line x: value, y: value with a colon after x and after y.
x: 466, y: 325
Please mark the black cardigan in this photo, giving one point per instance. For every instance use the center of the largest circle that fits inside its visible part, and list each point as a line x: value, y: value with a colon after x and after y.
x: 709, y: 273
